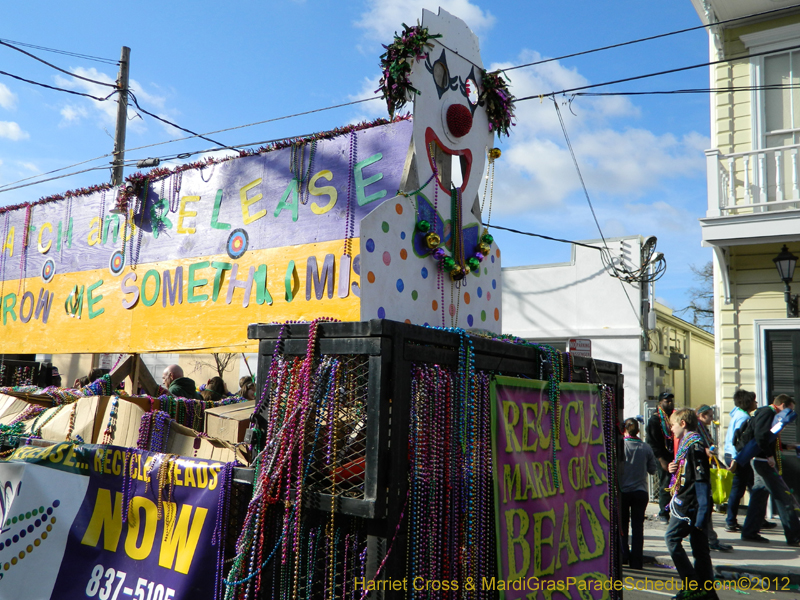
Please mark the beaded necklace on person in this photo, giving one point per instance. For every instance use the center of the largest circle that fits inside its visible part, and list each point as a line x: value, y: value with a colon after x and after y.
x: 665, y: 428
x: 689, y: 438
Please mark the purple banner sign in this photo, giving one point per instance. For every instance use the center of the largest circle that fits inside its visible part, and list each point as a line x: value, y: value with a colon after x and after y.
x: 76, y: 527
x: 551, y: 492
x: 281, y: 198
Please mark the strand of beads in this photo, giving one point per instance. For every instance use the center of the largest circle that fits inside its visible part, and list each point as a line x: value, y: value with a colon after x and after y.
x: 610, y: 430
x: 111, y: 427
x: 221, y: 526
x: 450, y: 510
x: 29, y: 412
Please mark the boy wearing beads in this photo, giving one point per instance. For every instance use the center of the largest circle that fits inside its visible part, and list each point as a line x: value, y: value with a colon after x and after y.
x: 690, y: 507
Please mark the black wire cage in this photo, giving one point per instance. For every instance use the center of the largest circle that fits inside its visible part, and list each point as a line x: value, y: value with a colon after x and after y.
x: 366, y: 485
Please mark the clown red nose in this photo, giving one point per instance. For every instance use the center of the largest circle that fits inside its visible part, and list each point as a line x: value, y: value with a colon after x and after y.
x: 459, y: 120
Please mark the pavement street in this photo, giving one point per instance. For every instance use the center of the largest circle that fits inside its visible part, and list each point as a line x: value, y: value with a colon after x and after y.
x: 773, y: 567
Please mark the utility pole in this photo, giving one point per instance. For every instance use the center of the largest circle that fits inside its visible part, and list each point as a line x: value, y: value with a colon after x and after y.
x: 122, y: 116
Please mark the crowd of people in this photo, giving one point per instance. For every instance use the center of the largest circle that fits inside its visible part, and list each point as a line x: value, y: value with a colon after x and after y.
x: 176, y: 383
x: 680, y: 450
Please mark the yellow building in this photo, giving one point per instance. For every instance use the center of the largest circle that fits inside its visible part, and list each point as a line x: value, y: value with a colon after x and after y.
x: 753, y: 194
x: 684, y: 360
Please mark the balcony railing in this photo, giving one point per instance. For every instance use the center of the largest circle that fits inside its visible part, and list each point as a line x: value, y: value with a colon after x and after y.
x: 764, y: 180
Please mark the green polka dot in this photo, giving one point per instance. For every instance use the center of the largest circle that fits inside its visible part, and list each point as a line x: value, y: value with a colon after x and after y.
x: 41, y: 509
x: 28, y: 515
x: 414, y: 295
x: 35, y: 512
x: 385, y: 227
x: 485, y: 271
x: 13, y: 519
x: 483, y: 315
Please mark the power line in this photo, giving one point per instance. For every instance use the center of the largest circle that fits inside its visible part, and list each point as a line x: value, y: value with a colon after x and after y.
x: 659, y: 73
x: 182, y: 155
x: 136, y: 102
x: 57, y: 89
x: 546, y: 237
x: 64, y: 52
x: 650, y: 38
x: 739, y: 88
x: 5, y: 187
x: 578, y: 169
x: 52, y: 66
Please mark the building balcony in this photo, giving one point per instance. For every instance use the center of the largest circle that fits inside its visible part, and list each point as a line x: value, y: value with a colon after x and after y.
x: 753, y: 197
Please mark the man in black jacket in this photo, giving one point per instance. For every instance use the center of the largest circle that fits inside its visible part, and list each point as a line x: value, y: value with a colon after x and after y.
x: 659, y: 436
x: 768, y: 480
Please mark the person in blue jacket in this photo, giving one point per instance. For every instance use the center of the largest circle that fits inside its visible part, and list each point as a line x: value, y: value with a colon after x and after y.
x: 744, y: 404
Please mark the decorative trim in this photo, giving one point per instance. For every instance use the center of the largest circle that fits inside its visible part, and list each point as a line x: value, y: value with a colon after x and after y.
x: 722, y: 260
x: 772, y: 39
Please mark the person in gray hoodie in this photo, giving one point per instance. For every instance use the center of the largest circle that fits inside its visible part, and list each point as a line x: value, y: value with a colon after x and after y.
x: 639, y: 461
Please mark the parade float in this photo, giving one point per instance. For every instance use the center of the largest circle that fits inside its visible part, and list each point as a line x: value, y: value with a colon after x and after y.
x: 399, y: 446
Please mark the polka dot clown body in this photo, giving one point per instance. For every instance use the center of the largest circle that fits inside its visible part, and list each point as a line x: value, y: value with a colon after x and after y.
x: 426, y: 256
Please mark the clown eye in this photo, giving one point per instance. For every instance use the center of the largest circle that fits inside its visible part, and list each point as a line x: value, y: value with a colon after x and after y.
x: 472, y: 91
x: 440, y: 74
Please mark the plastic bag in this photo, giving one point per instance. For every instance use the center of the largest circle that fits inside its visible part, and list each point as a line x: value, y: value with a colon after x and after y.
x: 721, y: 482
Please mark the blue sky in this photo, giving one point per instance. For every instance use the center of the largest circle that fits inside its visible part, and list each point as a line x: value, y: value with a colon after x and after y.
x: 210, y: 66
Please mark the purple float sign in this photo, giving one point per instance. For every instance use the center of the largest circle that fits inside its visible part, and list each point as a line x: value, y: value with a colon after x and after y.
x: 551, y: 492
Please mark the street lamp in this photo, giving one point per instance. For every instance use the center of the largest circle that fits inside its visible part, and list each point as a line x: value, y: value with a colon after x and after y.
x: 785, y: 262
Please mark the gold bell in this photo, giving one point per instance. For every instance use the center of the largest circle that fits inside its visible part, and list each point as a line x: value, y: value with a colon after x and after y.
x: 432, y: 240
x: 494, y: 153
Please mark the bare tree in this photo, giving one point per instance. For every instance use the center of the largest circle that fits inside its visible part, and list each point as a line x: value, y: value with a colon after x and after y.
x: 220, y: 361
x: 701, y: 304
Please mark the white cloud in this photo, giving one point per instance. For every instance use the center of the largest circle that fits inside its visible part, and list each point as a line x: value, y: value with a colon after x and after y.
x: 12, y: 131
x: 8, y: 99
x: 72, y: 114
x: 615, y: 157
x: 29, y: 166
x: 374, y: 108
x: 107, y: 110
x: 384, y: 17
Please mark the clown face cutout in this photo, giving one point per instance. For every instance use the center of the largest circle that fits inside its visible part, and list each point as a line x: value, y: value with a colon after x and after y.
x: 451, y: 129
x: 404, y: 276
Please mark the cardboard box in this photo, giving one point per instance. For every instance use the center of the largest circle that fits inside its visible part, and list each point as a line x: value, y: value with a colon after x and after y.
x: 229, y: 422
x: 184, y: 441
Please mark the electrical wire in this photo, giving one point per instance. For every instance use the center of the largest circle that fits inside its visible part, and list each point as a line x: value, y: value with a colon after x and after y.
x: 109, y: 61
x: 52, y: 66
x: 650, y: 38
x: 184, y: 154
x: 546, y: 237
x: 128, y: 150
x: 57, y: 89
x: 726, y: 90
x: 103, y: 168
x: 578, y: 169
x: 575, y: 92
x: 644, y: 273
x: 175, y: 125
x: 659, y: 73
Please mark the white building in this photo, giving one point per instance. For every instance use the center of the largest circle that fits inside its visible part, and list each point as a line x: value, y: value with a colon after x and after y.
x: 580, y: 299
